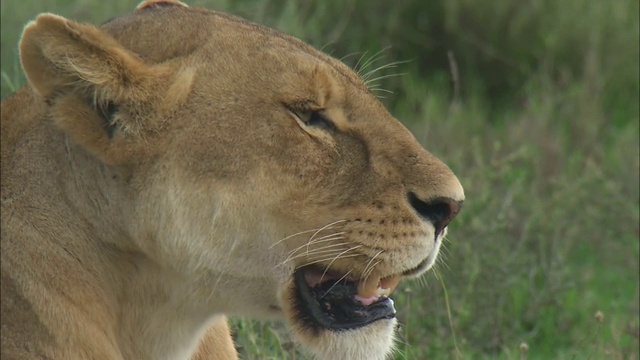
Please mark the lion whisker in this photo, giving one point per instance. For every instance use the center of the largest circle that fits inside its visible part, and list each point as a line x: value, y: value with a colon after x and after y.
x: 355, y: 67
x: 331, y: 252
x: 325, y: 259
x: 320, y: 230
x: 334, y: 238
x: 383, y: 67
x: 326, y: 268
x: 328, y: 235
x: 375, y: 57
x: 317, y: 242
x: 306, y: 231
x: 324, y: 238
x: 324, y: 228
x: 350, y: 55
x: 290, y: 236
x: 334, y: 284
x: 368, y: 264
x: 370, y: 81
x: 315, y: 251
x: 368, y: 273
x: 380, y: 89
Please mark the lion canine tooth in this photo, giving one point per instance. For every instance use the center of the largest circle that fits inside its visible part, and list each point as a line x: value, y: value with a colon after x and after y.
x: 374, y: 286
x: 369, y: 287
x: 390, y: 283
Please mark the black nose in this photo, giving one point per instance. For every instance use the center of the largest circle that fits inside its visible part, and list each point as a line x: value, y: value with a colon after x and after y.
x: 440, y: 211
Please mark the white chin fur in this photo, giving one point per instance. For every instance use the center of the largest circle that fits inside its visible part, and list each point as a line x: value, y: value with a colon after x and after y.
x: 373, y: 342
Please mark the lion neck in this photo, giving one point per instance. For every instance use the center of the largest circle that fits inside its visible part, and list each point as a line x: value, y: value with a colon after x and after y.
x: 149, y: 308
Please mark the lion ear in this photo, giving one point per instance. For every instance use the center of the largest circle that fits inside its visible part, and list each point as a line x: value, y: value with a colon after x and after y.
x: 58, y: 54
x: 95, y: 86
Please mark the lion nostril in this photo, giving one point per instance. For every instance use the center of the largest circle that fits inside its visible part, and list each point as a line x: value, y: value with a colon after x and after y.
x: 440, y: 211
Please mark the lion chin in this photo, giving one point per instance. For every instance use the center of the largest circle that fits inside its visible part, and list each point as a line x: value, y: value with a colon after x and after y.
x: 374, y: 342
x: 177, y: 165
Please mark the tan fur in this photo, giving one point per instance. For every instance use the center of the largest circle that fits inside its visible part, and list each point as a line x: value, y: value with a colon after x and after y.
x: 158, y: 173
x: 216, y: 343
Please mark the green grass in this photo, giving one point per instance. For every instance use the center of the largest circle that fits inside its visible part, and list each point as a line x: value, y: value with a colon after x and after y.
x: 541, y: 125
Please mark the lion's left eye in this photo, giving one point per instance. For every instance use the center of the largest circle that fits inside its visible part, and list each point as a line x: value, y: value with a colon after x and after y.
x: 314, y: 118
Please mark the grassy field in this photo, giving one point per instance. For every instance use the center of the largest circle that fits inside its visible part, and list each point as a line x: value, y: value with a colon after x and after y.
x: 535, y: 106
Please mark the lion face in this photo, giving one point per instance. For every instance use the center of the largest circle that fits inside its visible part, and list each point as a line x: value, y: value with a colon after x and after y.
x: 257, y: 167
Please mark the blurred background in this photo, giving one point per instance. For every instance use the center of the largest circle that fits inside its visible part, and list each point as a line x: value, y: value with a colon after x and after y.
x: 534, y: 104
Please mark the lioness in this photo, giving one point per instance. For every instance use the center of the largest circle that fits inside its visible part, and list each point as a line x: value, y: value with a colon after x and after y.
x: 177, y: 165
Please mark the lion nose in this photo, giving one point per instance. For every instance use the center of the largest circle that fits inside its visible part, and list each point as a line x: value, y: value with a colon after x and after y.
x: 440, y: 211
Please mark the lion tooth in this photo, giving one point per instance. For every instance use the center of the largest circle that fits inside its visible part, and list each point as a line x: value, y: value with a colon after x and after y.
x: 376, y: 287
x: 369, y: 287
x: 382, y: 292
x: 390, y: 283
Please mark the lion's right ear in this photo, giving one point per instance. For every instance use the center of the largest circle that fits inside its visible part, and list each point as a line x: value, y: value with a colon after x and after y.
x: 94, y: 85
x: 58, y: 54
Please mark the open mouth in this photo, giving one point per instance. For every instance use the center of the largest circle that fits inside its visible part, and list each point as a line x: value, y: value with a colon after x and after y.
x: 338, y: 302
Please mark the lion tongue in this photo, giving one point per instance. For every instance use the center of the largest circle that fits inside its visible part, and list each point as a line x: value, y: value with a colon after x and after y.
x: 370, y: 290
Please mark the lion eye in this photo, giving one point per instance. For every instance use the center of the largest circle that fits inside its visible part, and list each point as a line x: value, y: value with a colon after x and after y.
x: 314, y: 118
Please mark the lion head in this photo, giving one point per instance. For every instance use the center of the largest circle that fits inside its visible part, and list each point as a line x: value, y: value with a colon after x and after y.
x: 238, y: 169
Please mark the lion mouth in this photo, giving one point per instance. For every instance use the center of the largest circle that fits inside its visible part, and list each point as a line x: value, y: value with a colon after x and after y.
x: 337, y: 302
